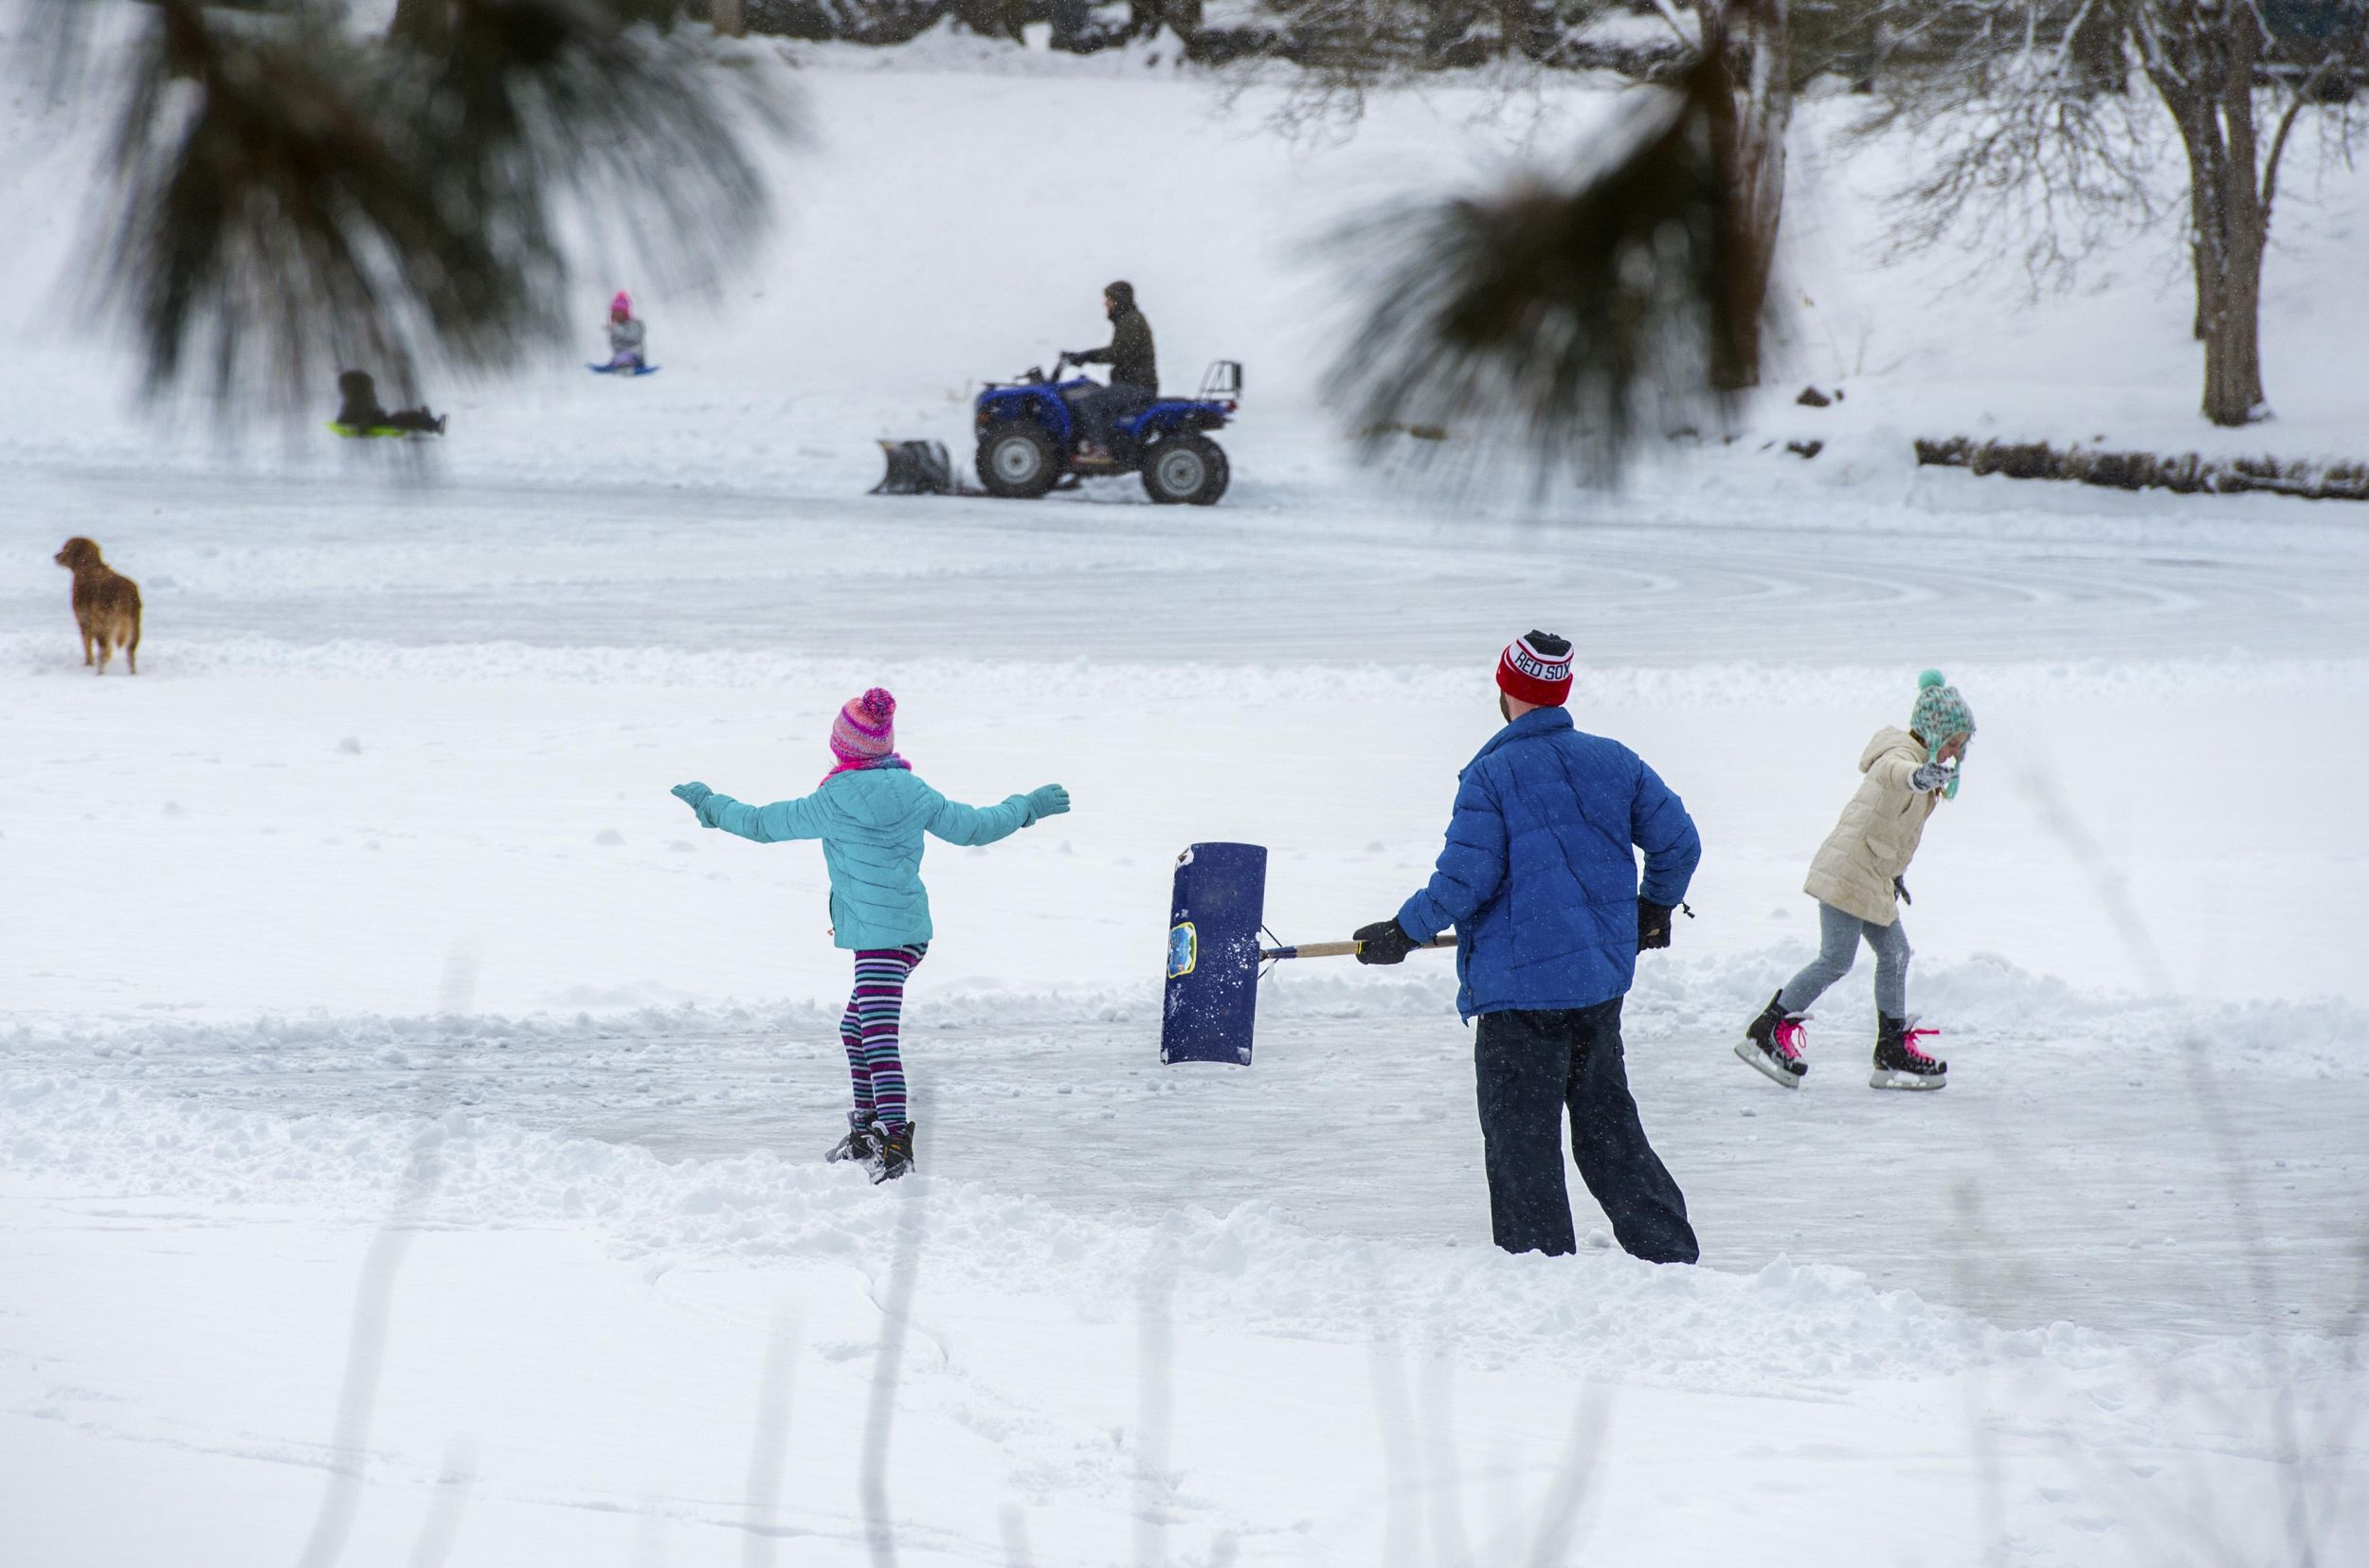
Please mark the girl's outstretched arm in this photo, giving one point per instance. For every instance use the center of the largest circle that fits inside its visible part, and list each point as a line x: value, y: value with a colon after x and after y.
x: 768, y: 825
x: 958, y: 823
x: 1893, y: 772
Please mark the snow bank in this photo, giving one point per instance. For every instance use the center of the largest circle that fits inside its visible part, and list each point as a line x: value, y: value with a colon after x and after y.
x: 1081, y: 682
x: 2035, y: 1016
x: 1605, y: 1315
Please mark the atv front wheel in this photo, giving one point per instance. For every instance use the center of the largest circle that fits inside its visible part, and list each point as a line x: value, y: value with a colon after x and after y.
x: 1185, y: 471
x: 1018, y: 460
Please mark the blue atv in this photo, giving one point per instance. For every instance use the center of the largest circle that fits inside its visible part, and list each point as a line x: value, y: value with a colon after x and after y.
x: 1028, y: 437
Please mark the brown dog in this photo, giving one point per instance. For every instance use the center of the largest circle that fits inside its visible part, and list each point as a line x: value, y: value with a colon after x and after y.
x: 106, y: 605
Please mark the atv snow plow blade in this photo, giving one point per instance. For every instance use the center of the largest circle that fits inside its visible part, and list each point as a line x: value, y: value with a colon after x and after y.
x: 915, y: 468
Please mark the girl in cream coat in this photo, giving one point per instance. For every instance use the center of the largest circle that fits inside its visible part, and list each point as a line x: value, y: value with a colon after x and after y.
x: 1857, y: 879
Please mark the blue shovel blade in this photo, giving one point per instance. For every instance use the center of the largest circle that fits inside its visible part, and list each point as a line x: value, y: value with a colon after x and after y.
x: 1219, y: 908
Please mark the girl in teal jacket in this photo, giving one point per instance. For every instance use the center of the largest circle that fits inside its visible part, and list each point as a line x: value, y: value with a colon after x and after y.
x: 870, y: 814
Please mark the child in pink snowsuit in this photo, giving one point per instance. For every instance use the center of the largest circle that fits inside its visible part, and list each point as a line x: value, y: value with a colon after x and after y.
x: 625, y: 335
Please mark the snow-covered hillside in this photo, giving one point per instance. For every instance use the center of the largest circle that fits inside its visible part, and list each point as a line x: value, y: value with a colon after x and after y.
x: 410, y: 1120
x: 918, y: 256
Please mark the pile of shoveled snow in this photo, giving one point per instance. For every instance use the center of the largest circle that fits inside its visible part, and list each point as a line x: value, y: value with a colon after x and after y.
x: 1602, y: 1315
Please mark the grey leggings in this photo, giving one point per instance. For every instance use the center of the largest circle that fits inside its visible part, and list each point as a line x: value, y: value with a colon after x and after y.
x: 1839, y: 937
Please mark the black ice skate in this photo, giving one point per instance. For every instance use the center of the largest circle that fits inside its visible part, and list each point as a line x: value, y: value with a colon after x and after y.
x: 896, y: 1153
x: 1899, y: 1062
x: 861, y: 1145
x: 1772, y: 1043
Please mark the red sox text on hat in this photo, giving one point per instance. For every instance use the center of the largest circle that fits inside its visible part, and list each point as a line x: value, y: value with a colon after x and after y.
x: 1537, y: 666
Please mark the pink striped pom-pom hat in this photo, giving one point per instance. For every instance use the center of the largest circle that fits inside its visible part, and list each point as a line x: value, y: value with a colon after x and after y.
x: 866, y: 730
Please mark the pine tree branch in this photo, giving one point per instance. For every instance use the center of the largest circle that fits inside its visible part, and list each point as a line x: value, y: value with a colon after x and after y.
x: 291, y: 196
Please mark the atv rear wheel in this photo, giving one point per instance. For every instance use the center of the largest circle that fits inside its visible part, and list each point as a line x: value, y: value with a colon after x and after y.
x: 1185, y: 470
x: 1018, y: 460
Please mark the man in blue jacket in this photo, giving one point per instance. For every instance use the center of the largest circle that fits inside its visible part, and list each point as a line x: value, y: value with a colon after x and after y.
x: 1540, y: 882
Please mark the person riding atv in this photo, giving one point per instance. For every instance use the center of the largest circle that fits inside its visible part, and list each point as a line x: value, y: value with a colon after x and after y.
x: 1134, y: 374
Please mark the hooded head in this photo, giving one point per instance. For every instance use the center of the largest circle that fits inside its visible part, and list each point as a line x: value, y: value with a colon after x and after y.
x: 356, y: 387
x: 620, y: 308
x: 1118, y: 298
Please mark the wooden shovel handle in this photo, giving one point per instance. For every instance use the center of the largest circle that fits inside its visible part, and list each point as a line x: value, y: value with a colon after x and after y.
x: 1341, y: 949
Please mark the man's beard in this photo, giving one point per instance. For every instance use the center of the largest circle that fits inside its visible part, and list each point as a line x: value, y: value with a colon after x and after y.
x: 1505, y: 709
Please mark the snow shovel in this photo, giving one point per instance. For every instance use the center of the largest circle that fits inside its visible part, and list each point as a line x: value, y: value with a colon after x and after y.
x: 915, y: 468
x: 1216, y: 919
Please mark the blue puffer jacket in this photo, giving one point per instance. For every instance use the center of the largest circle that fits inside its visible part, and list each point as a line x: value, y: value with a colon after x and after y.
x: 871, y: 822
x: 1538, y: 877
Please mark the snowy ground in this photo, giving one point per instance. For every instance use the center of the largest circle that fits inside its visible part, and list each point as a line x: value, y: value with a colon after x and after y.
x: 356, y: 946
x: 432, y: 732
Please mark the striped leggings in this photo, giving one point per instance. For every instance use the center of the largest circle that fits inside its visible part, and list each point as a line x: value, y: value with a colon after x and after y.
x: 868, y: 1029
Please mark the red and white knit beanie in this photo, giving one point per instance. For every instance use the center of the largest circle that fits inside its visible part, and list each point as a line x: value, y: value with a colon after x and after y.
x: 1536, y: 669
x: 866, y: 730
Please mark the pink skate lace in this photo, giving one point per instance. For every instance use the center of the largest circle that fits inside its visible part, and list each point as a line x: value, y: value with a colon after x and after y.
x: 1788, y: 1037
x: 1908, y: 1039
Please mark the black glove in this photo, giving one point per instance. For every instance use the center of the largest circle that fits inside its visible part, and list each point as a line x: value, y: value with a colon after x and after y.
x: 1932, y: 776
x: 1900, y: 886
x: 1652, y: 924
x: 1383, y: 942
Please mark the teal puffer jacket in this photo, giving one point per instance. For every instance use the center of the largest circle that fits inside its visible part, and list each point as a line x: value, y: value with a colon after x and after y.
x: 871, y: 822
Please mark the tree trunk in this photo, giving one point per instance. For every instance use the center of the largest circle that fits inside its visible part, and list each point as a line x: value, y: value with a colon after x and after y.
x: 2208, y: 84
x: 729, y: 17
x: 1750, y: 123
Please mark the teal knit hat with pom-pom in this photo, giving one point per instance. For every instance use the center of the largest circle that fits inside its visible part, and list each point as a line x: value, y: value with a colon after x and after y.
x: 1940, y: 712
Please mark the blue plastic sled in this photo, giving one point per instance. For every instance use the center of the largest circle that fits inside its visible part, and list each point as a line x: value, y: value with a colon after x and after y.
x: 1215, y: 917
x: 637, y: 370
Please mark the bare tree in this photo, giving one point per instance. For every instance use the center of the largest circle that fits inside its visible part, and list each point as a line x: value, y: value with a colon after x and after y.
x: 2205, y: 59
x: 289, y: 196
x: 2038, y: 138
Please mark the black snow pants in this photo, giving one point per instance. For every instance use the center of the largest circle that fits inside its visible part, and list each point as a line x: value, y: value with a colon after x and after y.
x: 1533, y: 1067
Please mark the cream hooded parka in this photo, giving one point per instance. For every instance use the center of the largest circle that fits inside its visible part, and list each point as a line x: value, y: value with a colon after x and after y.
x: 1878, y: 833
